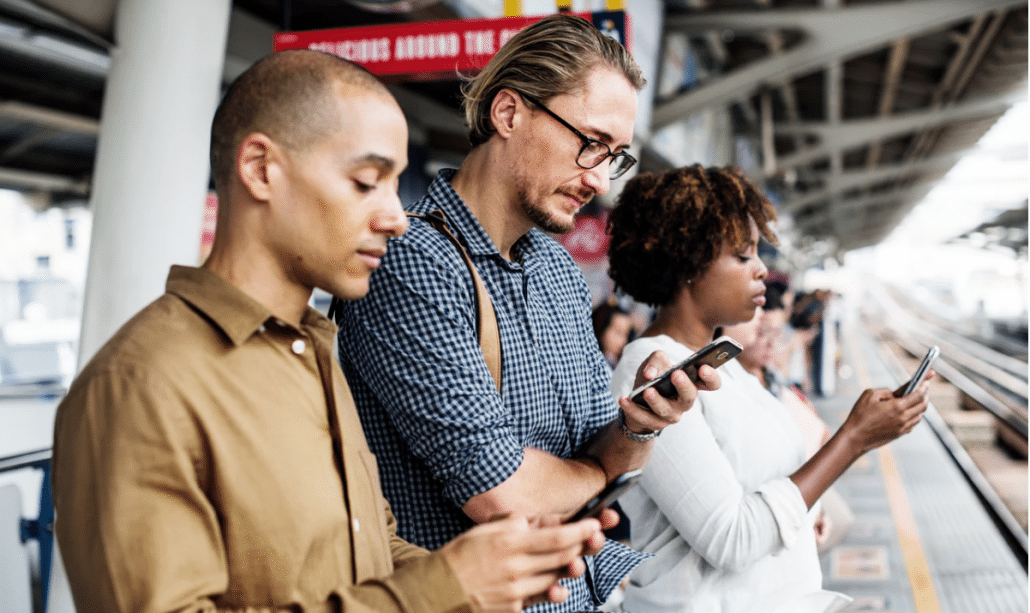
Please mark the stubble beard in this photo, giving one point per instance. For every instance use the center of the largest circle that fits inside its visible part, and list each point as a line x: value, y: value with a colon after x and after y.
x: 540, y: 217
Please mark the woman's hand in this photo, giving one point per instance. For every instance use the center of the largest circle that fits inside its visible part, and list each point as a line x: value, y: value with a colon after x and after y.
x: 880, y: 416
x: 877, y: 418
x: 665, y: 411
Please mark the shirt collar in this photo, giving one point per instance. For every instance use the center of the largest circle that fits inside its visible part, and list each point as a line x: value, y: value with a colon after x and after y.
x: 235, y: 313
x: 462, y: 222
x: 459, y: 218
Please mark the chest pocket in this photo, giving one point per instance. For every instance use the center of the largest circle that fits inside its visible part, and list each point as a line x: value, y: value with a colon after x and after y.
x: 372, y: 555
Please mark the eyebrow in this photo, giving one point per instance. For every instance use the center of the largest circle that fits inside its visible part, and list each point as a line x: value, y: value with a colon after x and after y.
x: 605, y: 138
x: 381, y: 161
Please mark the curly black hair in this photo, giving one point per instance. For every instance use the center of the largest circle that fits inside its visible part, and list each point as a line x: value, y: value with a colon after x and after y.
x: 667, y: 229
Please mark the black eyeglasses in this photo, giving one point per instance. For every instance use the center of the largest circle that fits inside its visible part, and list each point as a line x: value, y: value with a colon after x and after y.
x: 593, y: 151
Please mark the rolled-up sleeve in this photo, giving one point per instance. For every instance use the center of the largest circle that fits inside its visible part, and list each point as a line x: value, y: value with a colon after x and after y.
x: 412, y: 340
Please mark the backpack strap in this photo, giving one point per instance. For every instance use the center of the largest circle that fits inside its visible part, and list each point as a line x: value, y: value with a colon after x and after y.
x: 487, y: 331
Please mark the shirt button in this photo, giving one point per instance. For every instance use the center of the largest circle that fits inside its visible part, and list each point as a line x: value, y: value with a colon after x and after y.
x: 357, y: 525
x: 298, y: 346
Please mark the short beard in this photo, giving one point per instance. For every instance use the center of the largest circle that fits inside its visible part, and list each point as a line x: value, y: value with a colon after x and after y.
x: 540, y: 217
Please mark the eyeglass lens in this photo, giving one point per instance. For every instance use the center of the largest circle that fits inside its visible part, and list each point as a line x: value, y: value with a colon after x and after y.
x: 594, y: 153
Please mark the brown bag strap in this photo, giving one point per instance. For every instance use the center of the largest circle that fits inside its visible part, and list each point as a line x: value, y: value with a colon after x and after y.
x: 486, y: 318
x: 487, y: 332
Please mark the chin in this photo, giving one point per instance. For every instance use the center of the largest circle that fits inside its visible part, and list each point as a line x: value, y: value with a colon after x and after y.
x: 352, y: 289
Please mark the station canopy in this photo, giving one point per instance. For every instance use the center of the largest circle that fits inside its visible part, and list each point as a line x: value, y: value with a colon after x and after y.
x: 854, y: 109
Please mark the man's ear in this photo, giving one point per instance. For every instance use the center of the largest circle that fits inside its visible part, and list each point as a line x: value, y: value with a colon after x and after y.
x: 504, y: 112
x: 253, y: 158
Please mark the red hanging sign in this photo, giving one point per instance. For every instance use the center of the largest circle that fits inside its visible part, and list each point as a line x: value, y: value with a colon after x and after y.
x: 431, y: 49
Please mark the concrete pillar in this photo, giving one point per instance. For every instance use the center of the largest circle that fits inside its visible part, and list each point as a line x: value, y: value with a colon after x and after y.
x: 151, y: 170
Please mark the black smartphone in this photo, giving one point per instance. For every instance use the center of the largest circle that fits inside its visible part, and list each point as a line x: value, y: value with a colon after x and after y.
x: 608, y: 495
x: 920, y: 373
x: 715, y: 354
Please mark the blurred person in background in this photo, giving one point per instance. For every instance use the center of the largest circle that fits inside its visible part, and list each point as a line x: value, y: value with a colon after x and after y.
x: 724, y: 501
x: 759, y: 337
x: 613, y: 328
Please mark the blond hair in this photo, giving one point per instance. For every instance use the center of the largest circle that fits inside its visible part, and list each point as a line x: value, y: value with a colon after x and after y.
x: 550, y: 57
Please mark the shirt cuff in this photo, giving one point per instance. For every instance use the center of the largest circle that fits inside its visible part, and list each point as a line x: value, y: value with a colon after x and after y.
x: 788, y: 508
x: 490, y: 465
x: 429, y: 585
x: 609, y: 567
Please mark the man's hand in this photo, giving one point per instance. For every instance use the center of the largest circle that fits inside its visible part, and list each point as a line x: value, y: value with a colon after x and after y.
x: 509, y: 564
x: 664, y: 411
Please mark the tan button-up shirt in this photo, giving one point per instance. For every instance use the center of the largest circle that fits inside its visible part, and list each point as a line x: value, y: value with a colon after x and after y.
x: 210, y: 457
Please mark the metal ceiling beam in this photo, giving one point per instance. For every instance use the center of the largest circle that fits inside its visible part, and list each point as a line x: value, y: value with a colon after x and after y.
x: 850, y: 134
x: 249, y: 40
x: 895, y: 66
x: 849, y: 180
x: 103, y: 9
x: 853, y: 207
x: 830, y: 35
x: 959, y: 73
x: 49, y: 49
x: 49, y: 118
x: 24, y: 179
x: 37, y: 137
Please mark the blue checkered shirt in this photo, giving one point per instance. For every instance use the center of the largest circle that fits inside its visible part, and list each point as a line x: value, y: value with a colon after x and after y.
x: 430, y: 409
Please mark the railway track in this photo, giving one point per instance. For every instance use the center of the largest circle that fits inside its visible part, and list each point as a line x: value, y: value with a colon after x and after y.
x: 988, y: 378
x: 984, y: 379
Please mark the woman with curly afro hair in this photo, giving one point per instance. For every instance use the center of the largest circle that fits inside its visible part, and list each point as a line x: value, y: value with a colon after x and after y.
x: 724, y: 502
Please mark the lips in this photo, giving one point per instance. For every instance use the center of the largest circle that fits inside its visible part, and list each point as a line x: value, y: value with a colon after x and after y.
x: 372, y: 257
x: 759, y: 299
x: 578, y: 200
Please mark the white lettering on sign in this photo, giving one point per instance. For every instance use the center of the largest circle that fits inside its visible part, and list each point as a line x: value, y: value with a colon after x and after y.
x: 479, y: 42
x: 423, y: 46
x: 506, y: 35
x: 364, y: 51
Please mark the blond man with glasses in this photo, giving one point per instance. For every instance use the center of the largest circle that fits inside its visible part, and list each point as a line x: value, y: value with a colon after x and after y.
x: 551, y: 121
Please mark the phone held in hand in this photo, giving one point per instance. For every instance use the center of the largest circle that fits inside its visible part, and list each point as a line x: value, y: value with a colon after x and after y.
x: 920, y: 373
x: 715, y: 354
x: 611, y: 492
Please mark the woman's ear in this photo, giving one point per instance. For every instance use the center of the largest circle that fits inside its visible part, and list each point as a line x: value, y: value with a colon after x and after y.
x: 254, y: 155
x: 504, y: 112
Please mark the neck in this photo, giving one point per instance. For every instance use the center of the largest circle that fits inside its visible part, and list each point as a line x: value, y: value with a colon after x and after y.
x: 680, y: 321
x: 754, y: 369
x: 255, y: 273
x: 492, y: 197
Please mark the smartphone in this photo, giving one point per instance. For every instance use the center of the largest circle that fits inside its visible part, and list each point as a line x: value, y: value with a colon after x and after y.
x: 715, y: 354
x: 920, y: 373
x: 608, y: 495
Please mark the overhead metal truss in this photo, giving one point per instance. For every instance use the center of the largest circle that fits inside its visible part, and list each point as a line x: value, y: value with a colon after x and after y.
x: 858, y: 107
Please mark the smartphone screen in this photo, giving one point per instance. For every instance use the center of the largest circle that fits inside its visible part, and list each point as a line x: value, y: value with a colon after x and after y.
x: 611, y: 492
x: 715, y: 354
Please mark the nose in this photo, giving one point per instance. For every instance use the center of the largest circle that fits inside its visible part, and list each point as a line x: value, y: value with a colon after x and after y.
x: 598, y: 178
x: 763, y: 270
x: 391, y: 219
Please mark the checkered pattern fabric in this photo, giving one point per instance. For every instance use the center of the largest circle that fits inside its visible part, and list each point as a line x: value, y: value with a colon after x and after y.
x: 431, y: 411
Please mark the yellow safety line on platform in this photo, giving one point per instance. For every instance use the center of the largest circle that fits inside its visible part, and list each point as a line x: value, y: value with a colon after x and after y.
x: 923, y: 592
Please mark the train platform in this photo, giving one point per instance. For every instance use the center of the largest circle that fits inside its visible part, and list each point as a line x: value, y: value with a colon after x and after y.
x: 922, y: 540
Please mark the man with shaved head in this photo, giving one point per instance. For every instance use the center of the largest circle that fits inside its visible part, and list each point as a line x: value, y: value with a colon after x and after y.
x: 209, y: 457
